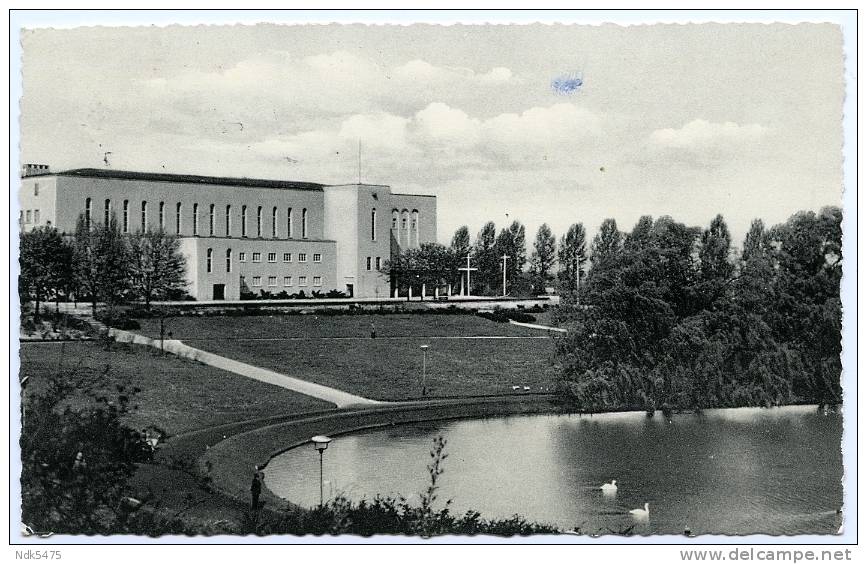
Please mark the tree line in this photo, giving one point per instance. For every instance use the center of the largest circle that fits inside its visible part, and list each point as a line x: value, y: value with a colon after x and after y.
x: 436, y: 265
x: 672, y: 317
x: 99, y: 264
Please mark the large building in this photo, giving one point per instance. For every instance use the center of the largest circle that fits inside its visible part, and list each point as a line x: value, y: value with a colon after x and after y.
x: 243, y: 233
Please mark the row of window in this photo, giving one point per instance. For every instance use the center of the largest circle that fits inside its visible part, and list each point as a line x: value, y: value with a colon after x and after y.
x: 257, y: 257
x: 272, y: 257
x: 287, y: 281
x: 28, y: 216
x: 378, y: 263
x: 212, y: 219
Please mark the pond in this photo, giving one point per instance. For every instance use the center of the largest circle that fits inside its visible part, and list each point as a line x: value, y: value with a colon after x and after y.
x: 725, y: 471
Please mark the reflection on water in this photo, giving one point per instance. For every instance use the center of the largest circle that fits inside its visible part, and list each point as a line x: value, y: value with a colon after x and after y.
x: 728, y: 471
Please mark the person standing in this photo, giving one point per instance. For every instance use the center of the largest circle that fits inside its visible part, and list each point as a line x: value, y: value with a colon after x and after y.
x: 256, y: 488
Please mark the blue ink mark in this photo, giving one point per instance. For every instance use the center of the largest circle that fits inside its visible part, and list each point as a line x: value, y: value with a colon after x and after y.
x: 567, y: 84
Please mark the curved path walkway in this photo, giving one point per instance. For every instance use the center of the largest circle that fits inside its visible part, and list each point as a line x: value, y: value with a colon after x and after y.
x: 338, y: 397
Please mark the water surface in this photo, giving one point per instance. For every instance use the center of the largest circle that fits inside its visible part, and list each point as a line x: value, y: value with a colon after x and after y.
x: 726, y: 471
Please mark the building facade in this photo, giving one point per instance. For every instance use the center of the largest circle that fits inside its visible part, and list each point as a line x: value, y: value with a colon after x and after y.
x: 243, y: 234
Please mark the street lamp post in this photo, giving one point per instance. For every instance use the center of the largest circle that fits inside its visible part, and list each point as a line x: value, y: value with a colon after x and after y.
x: 320, y: 442
x: 505, y: 258
x: 424, y: 349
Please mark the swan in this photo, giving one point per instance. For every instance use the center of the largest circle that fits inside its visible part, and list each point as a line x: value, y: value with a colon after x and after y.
x: 609, y: 488
x: 641, y: 513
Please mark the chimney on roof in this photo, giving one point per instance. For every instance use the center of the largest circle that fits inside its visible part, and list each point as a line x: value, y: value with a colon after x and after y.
x: 30, y: 169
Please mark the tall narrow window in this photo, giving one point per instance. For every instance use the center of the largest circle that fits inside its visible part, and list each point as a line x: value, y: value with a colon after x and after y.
x: 88, y: 211
x: 35, y: 188
x: 289, y: 223
x: 304, y: 223
x: 274, y: 223
x: 394, y: 218
x: 414, y: 228
x: 211, y: 220
x: 144, y: 216
x: 243, y: 221
x: 107, y: 212
x: 259, y: 221
x: 162, y: 215
x: 228, y: 221
x: 178, y: 208
x: 195, y: 219
x: 228, y: 260
x: 209, y: 262
x: 126, y: 216
x: 373, y: 224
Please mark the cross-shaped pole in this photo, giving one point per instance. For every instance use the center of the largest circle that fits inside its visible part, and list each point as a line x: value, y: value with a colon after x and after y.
x: 505, y: 258
x: 577, y: 277
x: 468, y: 269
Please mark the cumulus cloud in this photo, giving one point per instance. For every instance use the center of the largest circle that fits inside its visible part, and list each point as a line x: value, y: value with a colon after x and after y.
x: 440, y: 124
x: 700, y: 134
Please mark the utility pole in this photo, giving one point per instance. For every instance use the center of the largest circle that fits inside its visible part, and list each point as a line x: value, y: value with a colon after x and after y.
x: 505, y: 258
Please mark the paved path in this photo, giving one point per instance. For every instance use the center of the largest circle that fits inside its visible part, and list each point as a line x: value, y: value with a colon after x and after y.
x: 333, y: 395
x: 535, y: 326
x: 415, y: 337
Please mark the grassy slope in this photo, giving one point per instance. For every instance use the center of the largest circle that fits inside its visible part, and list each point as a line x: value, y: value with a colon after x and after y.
x: 177, y: 395
x: 337, y: 351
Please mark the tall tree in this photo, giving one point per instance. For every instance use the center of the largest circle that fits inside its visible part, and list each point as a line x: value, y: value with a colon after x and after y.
x: 461, y: 247
x: 432, y: 265
x: 573, y: 245
x: 607, y: 242
x: 641, y: 234
x: 157, y: 266
x: 715, y: 266
x: 101, y: 257
x: 756, y: 241
x: 543, y: 258
x: 485, y: 259
x: 46, y: 262
x: 511, y: 242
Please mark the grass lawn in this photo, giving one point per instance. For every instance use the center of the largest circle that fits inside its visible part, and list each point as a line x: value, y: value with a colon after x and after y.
x: 337, y: 351
x: 321, y: 326
x: 178, y: 395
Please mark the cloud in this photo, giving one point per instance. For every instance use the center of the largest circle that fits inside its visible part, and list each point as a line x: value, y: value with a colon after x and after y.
x: 442, y: 125
x: 379, y: 130
x: 699, y: 135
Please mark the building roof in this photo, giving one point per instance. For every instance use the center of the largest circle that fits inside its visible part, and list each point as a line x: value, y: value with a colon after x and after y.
x: 189, y: 179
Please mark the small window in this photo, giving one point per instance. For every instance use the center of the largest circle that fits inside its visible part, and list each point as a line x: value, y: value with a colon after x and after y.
x: 379, y: 263
x: 369, y: 260
x: 302, y: 280
x: 242, y: 257
x: 209, y: 262
x: 228, y: 260
x: 36, y: 189
x: 317, y: 281
x: 272, y: 257
x: 36, y: 216
x: 272, y: 280
x: 28, y: 217
x: 257, y: 281
x: 302, y: 257
x: 257, y: 257
x: 287, y: 257
x: 317, y: 257
x: 287, y: 280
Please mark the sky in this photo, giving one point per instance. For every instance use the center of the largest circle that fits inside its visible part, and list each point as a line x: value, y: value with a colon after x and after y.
x: 539, y: 123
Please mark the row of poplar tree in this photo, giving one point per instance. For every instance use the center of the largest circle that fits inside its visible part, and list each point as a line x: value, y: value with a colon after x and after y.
x: 99, y: 264
x: 437, y: 265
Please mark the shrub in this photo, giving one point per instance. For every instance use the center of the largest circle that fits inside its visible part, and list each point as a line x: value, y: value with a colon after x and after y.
x: 118, y: 320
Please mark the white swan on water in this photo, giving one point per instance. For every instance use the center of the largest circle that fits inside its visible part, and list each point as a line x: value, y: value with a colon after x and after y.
x: 641, y: 513
x: 609, y: 488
